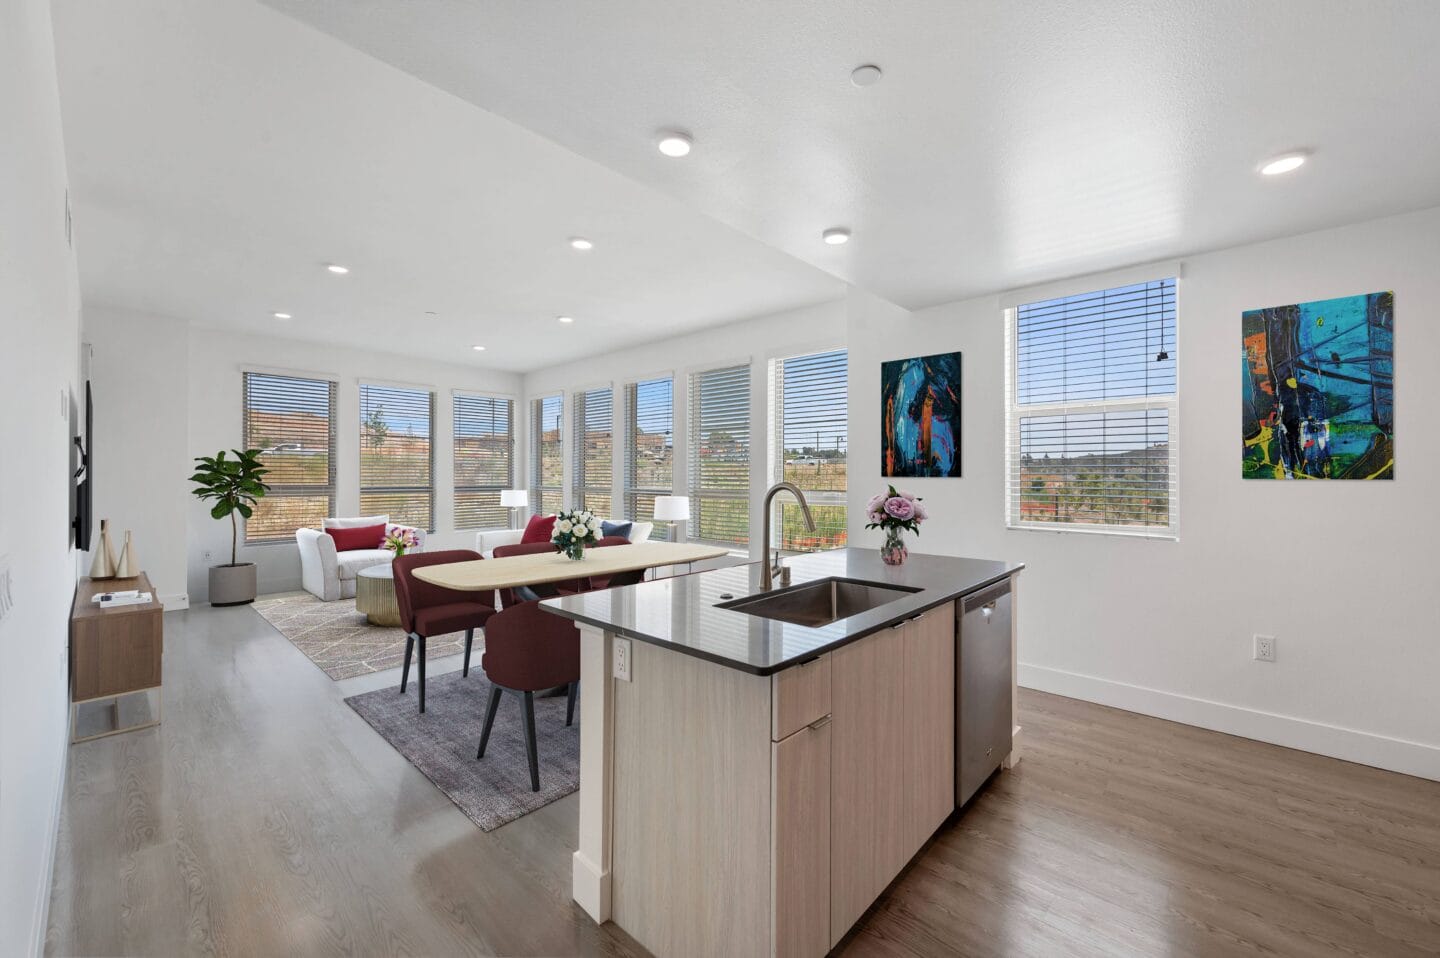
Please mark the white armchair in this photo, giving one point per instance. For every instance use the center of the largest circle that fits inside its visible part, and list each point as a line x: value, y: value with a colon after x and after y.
x: 487, y: 539
x: 329, y: 574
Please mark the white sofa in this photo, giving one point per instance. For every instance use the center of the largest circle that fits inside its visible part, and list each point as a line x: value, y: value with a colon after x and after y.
x: 487, y: 539
x: 330, y: 575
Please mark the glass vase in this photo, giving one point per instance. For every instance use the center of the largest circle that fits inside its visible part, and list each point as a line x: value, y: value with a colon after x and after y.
x: 575, y: 550
x: 893, y: 552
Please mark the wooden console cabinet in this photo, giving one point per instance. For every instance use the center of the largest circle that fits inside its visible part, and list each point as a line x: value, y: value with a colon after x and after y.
x: 115, y: 658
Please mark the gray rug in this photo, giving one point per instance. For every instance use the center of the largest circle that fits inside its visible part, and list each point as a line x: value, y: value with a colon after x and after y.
x: 442, y: 742
x: 342, y: 642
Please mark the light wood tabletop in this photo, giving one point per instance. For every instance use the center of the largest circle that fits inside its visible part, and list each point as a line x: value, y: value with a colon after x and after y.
x: 511, y: 571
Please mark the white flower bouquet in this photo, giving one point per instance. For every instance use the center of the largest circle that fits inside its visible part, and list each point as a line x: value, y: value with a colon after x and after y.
x: 574, y: 530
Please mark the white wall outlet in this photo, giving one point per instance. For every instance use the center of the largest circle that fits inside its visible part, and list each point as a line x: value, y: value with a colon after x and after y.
x: 622, y: 659
x: 1264, y: 648
x: 207, y: 555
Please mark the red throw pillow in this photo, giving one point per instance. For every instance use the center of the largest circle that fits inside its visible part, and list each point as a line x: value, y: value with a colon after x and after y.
x: 538, y: 529
x: 360, y: 537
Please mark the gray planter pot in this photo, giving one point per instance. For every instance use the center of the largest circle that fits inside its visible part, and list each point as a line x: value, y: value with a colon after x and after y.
x: 232, y: 584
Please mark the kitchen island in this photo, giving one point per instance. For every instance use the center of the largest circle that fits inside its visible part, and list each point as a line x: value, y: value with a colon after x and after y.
x: 757, y: 767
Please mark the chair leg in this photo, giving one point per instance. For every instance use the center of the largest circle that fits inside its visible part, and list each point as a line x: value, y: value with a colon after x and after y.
x: 530, y: 749
x: 420, y: 665
x: 405, y: 672
x: 469, y: 640
x: 490, y: 711
x: 570, y: 703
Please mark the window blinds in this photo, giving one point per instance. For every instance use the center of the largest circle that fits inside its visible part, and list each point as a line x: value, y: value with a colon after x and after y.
x: 292, y: 422
x: 594, y: 450
x: 484, y: 451
x: 397, y: 454
x: 546, y: 458
x: 1092, y: 413
x: 811, y: 426
x: 649, y: 448
x: 720, y: 455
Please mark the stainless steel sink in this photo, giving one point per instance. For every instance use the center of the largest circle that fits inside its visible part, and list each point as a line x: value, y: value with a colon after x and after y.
x: 820, y: 602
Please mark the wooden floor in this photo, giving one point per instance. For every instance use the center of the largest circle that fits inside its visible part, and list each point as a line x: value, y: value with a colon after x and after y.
x: 265, y: 818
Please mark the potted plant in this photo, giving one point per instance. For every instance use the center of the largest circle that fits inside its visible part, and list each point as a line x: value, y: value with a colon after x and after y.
x: 232, y: 485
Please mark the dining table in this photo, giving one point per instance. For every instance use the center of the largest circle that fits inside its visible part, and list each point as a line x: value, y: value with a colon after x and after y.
x: 509, y: 572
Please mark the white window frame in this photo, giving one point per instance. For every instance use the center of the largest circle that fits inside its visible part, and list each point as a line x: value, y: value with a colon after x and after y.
x: 456, y: 488
x: 1016, y: 411
x: 630, y: 492
x: 692, y: 441
x: 431, y: 489
x: 776, y: 466
x: 579, y: 490
x: 537, y: 427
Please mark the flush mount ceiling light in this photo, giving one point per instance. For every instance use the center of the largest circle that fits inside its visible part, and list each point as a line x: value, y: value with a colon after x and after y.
x: 866, y: 75
x: 337, y: 269
x: 581, y: 243
x: 836, y: 236
x: 478, y: 349
x: 566, y: 319
x: 673, y: 143
x: 281, y: 315
x: 1284, y: 163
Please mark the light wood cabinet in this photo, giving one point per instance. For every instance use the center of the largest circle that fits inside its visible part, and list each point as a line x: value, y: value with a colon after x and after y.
x: 800, y: 855
x: 929, y: 699
x: 867, y: 773
x: 892, y: 756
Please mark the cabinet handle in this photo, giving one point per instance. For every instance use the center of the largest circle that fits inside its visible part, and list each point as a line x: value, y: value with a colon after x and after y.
x: 819, y: 723
x: 897, y: 625
x: 919, y: 617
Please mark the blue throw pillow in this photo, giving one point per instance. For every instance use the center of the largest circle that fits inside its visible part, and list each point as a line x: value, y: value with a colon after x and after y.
x: 621, y: 529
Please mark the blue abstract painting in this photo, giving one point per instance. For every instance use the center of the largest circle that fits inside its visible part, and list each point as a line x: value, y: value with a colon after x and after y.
x: 920, y: 416
x: 1318, y: 389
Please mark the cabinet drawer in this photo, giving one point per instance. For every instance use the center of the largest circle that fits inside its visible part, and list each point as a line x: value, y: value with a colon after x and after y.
x: 799, y: 696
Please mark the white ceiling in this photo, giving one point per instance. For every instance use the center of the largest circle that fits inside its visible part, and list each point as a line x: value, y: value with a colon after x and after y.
x: 220, y: 154
x: 1009, y: 142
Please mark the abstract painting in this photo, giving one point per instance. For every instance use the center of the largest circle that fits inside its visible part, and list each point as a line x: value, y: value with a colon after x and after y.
x: 1319, y: 390
x: 920, y: 416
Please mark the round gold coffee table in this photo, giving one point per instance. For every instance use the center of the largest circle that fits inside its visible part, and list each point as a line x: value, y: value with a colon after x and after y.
x: 375, y: 594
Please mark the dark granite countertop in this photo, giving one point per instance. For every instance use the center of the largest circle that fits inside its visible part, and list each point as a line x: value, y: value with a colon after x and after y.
x: 682, y: 613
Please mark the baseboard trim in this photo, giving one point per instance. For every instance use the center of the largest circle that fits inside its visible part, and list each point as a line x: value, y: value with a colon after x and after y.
x: 590, y: 887
x: 1351, y: 745
x: 40, y: 927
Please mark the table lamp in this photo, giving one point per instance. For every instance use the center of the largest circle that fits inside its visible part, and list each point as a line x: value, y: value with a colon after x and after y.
x: 514, y: 499
x: 674, y: 509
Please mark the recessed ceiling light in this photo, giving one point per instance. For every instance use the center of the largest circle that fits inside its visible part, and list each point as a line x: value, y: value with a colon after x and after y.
x: 337, y: 269
x: 867, y: 75
x: 478, y: 349
x: 836, y: 236
x: 674, y: 143
x: 580, y: 242
x: 429, y: 312
x: 566, y: 319
x: 1285, y: 163
x: 281, y: 315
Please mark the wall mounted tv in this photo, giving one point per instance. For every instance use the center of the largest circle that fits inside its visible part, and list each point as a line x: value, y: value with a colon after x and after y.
x: 85, y: 476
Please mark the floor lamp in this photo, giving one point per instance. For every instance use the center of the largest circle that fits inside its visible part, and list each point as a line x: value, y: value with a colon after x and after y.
x: 513, y: 499
x: 675, y: 509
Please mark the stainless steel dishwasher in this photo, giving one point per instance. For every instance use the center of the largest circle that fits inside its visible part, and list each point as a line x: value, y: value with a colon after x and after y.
x: 982, y: 688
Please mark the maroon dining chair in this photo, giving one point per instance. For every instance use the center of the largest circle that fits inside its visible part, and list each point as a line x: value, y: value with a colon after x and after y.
x: 428, y: 610
x: 529, y: 650
x: 595, y: 582
x: 519, y: 594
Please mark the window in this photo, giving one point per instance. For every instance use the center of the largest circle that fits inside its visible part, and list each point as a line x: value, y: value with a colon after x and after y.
x: 720, y: 455
x: 292, y: 422
x: 649, y: 448
x: 397, y: 462
x: 808, y: 399
x: 1093, y: 403
x: 484, y: 454
x: 594, y: 450
x: 546, y: 461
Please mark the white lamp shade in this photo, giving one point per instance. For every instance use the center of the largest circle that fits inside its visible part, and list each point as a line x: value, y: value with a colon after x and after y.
x: 514, y: 498
x: 672, y: 508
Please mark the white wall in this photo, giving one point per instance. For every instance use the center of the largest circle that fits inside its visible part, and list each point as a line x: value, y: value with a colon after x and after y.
x: 1343, y: 573
x: 39, y: 319
x: 140, y: 370
x: 755, y: 341
x: 184, y: 402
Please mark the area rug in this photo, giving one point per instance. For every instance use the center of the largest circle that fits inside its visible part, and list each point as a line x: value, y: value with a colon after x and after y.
x: 342, y: 642
x: 441, y: 744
